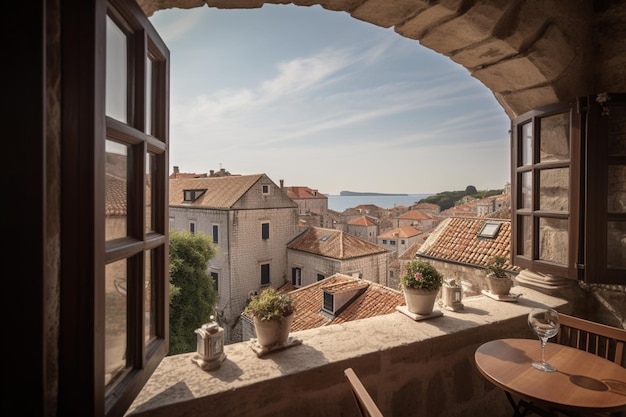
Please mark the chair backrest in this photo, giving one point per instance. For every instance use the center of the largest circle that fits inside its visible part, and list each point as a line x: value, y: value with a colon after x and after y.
x: 602, y: 340
x: 366, y: 405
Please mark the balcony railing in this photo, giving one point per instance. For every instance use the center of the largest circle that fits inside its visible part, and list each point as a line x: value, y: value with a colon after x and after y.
x: 411, y: 368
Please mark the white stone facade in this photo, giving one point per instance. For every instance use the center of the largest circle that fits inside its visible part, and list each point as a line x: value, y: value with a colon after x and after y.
x: 372, y: 268
x: 241, y: 247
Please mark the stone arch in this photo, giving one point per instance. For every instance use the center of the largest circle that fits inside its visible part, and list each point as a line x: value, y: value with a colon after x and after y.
x: 528, y: 53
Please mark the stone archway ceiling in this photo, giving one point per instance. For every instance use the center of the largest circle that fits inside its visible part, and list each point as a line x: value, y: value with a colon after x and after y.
x: 528, y: 53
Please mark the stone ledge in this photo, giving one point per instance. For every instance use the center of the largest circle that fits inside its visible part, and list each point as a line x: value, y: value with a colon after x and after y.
x: 178, y: 386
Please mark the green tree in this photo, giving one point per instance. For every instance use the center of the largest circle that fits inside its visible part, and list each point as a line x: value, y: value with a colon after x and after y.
x: 470, y: 190
x: 192, y: 290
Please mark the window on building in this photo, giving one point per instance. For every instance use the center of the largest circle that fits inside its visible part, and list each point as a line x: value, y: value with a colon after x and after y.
x: 403, y: 242
x: 192, y: 227
x: 489, y: 230
x: 392, y: 242
x: 120, y: 335
x: 216, y: 234
x: 265, y: 189
x: 296, y: 277
x: 265, y: 231
x: 384, y: 241
x: 320, y: 277
x: 265, y: 274
x: 329, y: 302
x: 190, y: 196
x: 215, y: 277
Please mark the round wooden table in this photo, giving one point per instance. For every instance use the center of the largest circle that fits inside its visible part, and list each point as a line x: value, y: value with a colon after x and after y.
x: 582, y: 381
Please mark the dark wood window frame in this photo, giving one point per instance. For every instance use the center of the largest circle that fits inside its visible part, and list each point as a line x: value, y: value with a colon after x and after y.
x: 85, y: 255
x: 534, y: 168
x: 591, y: 128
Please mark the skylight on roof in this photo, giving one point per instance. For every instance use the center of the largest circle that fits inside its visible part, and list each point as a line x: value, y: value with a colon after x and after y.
x: 324, y: 238
x: 489, y: 230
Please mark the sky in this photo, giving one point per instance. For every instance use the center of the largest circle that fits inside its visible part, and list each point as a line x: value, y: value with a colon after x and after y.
x: 319, y: 99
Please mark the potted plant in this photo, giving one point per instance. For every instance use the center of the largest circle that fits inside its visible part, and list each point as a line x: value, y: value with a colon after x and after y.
x: 420, y: 283
x: 272, y: 313
x: 498, y: 279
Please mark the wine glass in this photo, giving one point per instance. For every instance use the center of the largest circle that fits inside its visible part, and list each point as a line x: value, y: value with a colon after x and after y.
x: 544, y: 322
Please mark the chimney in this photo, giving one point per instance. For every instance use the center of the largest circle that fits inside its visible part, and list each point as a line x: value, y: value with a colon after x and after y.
x: 211, y: 172
x: 176, y: 170
x: 282, y: 183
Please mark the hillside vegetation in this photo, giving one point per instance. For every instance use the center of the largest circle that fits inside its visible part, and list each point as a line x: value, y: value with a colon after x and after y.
x: 448, y: 199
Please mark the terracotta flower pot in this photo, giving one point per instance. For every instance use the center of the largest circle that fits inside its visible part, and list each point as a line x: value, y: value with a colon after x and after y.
x: 273, y: 332
x: 419, y: 301
x: 499, y: 286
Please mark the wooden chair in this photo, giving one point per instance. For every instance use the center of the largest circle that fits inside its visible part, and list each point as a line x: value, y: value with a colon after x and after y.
x: 365, y: 404
x: 601, y: 340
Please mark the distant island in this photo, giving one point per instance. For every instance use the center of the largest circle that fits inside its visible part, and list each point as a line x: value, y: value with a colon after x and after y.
x: 354, y: 193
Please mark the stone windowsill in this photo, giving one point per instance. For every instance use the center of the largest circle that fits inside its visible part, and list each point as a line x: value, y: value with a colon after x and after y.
x: 178, y: 381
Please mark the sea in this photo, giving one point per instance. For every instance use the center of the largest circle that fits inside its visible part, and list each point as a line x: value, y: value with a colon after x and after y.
x: 340, y: 203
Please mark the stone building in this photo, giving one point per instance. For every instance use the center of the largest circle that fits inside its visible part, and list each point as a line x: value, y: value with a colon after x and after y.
x: 364, y: 227
x: 251, y: 220
x: 400, y: 239
x: 312, y: 205
x: 416, y: 219
x: 461, y: 247
x: 319, y: 253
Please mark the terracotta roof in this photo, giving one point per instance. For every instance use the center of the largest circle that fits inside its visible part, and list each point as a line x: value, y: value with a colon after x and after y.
x: 333, y: 243
x: 429, y: 206
x: 116, y: 200
x: 362, y: 221
x: 456, y: 239
x: 407, y: 231
x: 371, y: 207
x: 370, y: 300
x: 221, y: 192
x: 415, y: 215
x: 303, y: 192
x: 187, y: 175
x: 409, y: 254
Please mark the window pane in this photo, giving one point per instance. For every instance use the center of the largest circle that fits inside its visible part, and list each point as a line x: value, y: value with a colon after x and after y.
x: 115, y: 321
x: 150, y: 198
x: 527, y: 190
x: 116, y: 198
x: 554, y: 189
x: 116, y: 73
x: 265, y: 274
x: 527, y: 144
x: 525, y: 236
x: 553, y: 240
x: 149, y: 298
x: 554, y: 138
x: 616, y: 245
x: 149, y: 103
x: 616, y: 189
